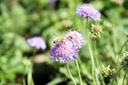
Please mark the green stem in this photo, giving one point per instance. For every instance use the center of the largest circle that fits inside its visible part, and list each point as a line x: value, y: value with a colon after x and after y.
x: 86, y: 28
x: 117, y: 74
x: 127, y: 81
x: 125, y: 76
x: 123, y: 46
x: 24, y: 81
x: 93, y: 65
x: 90, y: 50
x: 120, y: 52
x: 29, y: 77
x: 79, y: 72
x: 96, y: 63
x: 115, y: 41
x: 71, y: 74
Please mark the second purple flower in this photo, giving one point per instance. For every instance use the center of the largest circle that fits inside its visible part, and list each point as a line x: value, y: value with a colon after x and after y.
x: 86, y: 10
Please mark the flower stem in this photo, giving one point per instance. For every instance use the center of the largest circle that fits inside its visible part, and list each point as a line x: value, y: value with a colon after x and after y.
x: 86, y: 28
x: 121, y: 51
x: 123, y: 46
x: 91, y: 54
x: 29, y: 77
x: 96, y: 63
x: 71, y: 74
x: 115, y: 41
x: 117, y: 73
x: 127, y: 81
x: 79, y: 72
x: 125, y: 76
x: 93, y: 65
x: 24, y: 81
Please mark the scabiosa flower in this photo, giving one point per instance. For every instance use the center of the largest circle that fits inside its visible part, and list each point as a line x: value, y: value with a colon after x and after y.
x: 63, y: 51
x: 66, y: 47
x: 76, y: 39
x: 37, y: 42
x: 86, y: 10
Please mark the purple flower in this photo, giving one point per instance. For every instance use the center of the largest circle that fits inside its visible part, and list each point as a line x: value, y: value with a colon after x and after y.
x: 37, y: 42
x: 76, y: 39
x: 53, y: 3
x: 66, y: 48
x: 86, y: 10
x: 63, y: 51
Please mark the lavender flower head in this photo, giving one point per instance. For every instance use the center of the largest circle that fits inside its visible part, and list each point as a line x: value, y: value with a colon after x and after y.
x: 63, y: 51
x: 66, y: 48
x: 76, y: 39
x: 86, y: 10
x: 37, y: 42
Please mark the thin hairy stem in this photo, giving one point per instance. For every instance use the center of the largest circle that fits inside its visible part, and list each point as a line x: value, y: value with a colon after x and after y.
x: 120, y: 52
x: 124, y: 76
x: 123, y: 46
x: 117, y: 74
x: 71, y: 74
x: 78, y: 68
x: 90, y: 50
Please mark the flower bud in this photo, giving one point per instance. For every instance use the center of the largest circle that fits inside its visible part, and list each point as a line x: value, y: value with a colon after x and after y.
x: 96, y: 29
x: 107, y: 71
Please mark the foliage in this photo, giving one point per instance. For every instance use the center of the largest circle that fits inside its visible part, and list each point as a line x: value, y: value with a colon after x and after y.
x: 22, y: 19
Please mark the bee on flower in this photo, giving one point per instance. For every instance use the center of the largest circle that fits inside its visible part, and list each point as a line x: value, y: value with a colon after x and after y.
x: 65, y: 48
x: 59, y: 39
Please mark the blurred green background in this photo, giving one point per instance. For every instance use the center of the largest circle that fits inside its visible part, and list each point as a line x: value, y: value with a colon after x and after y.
x: 22, y: 19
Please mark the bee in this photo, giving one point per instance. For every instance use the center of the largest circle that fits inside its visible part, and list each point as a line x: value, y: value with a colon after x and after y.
x: 59, y: 39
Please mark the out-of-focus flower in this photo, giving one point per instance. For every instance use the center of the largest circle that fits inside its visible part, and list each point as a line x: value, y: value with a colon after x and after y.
x: 107, y: 24
x: 37, y: 42
x: 27, y: 62
x: 86, y: 10
x: 63, y: 51
x: 65, y: 48
x: 53, y: 3
x: 67, y: 23
x: 118, y: 2
x: 76, y: 39
x: 40, y: 58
